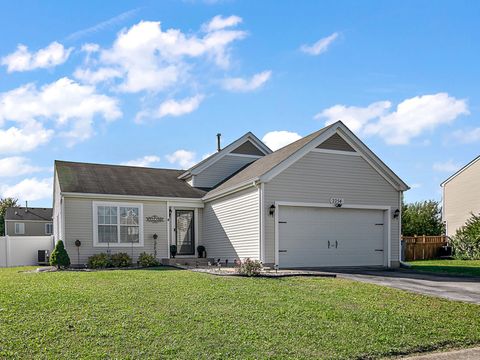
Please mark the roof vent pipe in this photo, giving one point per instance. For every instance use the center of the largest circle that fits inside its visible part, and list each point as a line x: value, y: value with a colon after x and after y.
x: 218, y: 142
x: 26, y: 206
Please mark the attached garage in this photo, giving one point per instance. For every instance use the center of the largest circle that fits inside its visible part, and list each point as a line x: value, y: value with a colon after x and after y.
x: 317, y: 236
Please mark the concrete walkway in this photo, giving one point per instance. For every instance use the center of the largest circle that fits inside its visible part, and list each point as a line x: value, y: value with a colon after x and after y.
x: 446, y: 286
x: 466, y: 354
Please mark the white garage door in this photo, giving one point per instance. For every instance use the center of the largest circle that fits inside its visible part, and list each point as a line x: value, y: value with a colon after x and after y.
x: 310, y: 237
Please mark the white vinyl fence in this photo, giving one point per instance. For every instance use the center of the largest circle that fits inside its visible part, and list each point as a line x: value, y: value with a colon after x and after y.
x: 23, y: 250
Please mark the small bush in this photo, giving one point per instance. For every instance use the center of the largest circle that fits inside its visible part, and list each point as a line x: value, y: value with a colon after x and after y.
x: 121, y: 260
x: 466, y: 242
x: 250, y: 267
x: 173, y: 250
x: 59, y: 257
x: 147, y: 260
x: 99, y: 261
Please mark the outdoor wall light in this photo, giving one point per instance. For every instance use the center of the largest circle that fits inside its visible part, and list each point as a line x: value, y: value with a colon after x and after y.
x: 155, y: 236
x: 272, y: 210
x: 396, y: 214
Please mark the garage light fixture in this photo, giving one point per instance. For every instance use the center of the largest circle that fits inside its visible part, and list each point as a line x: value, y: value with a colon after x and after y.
x: 272, y: 210
x: 396, y: 214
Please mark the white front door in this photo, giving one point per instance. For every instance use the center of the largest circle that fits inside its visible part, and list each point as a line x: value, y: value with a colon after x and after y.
x: 315, y: 237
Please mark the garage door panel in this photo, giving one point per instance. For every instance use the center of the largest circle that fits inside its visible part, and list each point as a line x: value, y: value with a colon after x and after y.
x: 330, y: 237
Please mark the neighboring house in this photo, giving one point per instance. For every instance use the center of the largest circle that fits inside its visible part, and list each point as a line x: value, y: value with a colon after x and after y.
x: 324, y: 200
x: 461, y: 196
x: 28, y: 221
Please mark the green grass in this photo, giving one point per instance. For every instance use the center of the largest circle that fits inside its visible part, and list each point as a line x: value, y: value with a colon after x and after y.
x: 458, y: 267
x: 183, y: 315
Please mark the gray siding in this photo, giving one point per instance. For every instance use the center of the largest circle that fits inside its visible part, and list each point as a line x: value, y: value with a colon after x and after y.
x: 221, y: 170
x: 32, y: 228
x: 462, y: 197
x: 232, y: 226
x: 79, y: 225
x: 317, y: 177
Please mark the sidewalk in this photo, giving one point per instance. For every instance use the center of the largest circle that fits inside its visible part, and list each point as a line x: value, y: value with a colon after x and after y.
x: 466, y: 354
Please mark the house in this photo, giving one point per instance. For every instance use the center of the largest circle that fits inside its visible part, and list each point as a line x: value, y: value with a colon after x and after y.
x: 461, y: 196
x: 28, y: 221
x: 324, y: 200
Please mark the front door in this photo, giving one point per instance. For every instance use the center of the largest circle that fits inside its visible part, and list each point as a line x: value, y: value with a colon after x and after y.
x: 184, y: 229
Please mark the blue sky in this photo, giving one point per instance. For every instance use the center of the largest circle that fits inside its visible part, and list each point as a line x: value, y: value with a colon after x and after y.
x: 151, y: 83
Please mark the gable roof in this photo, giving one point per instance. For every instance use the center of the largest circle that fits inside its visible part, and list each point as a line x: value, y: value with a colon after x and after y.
x: 461, y: 170
x: 28, y: 214
x: 264, y: 167
x: 75, y: 177
x: 230, y: 148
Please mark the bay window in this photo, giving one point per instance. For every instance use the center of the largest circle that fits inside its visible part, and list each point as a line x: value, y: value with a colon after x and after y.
x: 117, y: 224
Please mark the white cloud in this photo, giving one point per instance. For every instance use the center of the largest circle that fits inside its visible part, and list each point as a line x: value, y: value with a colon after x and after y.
x: 147, y: 58
x: 23, y: 60
x: 446, y: 166
x: 16, y: 166
x: 15, y: 140
x: 70, y: 106
x: 181, y: 107
x: 29, y: 189
x: 145, y: 161
x: 278, y: 139
x: 352, y: 116
x: 320, y: 46
x: 184, y: 158
x: 467, y: 136
x: 245, y: 85
x: 411, y: 118
x: 219, y: 22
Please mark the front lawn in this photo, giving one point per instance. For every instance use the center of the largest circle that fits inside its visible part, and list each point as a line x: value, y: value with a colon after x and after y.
x: 457, y: 267
x: 183, y: 315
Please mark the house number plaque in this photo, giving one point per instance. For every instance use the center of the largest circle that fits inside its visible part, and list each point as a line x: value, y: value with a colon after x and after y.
x: 155, y: 219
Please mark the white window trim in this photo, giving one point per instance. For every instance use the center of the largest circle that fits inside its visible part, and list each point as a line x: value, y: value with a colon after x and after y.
x: 96, y: 204
x: 46, y: 227
x: 22, y: 226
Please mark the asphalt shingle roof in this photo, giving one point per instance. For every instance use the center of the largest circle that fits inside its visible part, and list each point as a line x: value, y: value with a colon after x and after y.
x: 28, y: 214
x: 266, y: 163
x: 88, y: 178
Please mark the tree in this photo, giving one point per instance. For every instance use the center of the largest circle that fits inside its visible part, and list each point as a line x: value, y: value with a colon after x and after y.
x: 59, y: 257
x: 422, y: 218
x: 466, y: 242
x: 4, y: 204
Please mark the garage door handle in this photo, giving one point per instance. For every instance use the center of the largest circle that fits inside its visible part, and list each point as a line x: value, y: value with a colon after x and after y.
x: 378, y: 249
x: 282, y: 251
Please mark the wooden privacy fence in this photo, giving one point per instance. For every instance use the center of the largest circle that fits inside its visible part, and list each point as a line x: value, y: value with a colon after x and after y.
x: 422, y: 247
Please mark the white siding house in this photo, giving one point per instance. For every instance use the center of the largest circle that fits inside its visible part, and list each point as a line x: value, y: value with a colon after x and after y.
x: 324, y: 200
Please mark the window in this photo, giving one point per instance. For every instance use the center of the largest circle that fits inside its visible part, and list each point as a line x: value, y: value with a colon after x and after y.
x: 19, y: 228
x: 117, y: 224
x: 48, y: 229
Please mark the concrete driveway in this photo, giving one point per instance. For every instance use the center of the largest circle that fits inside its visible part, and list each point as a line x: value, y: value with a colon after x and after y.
x: 450, y: 287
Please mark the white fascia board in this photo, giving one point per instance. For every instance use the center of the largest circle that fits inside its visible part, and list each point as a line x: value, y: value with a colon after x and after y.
x: 371, y: 157
x: 197, y: 202
x: 233, y: 189
x: 196, y: 169
x: 458, y: 172
x: 29, y: 221
x: 269, y: 175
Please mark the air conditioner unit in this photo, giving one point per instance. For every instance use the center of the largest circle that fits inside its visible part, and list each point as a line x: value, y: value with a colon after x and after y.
x: 43, y: 257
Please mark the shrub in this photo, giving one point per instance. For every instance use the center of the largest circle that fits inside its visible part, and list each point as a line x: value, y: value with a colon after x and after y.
x: 147, y: 260
x: 59, y: 257
x: 466, y: 242
x: 201, y: 251
x: 121, y: 260
x: 250, y: 267
x: 99, y: 261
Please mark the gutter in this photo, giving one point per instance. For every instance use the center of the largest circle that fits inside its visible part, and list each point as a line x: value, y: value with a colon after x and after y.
x: 233, y: 189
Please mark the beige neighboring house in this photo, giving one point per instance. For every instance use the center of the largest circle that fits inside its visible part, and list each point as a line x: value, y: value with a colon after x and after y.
x: 461, y: 196
x: 28, y: 221
x: 323, y: 200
